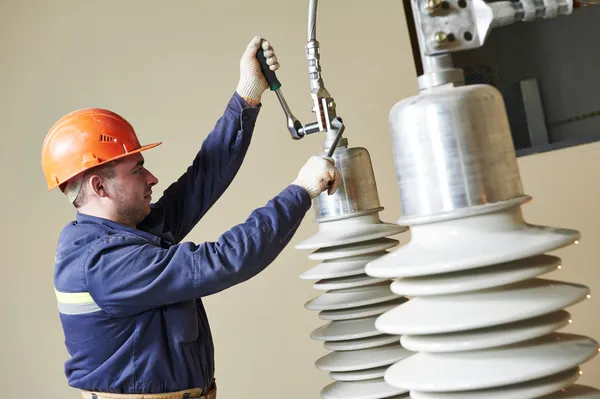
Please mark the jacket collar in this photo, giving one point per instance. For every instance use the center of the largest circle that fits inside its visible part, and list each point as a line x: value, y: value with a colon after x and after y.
x: 149, y: 229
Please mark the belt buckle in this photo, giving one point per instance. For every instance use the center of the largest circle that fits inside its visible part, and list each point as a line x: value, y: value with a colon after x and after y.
x: 192, y: 396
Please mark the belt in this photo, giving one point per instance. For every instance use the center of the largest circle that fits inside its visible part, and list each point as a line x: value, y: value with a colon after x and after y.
x: 195, y: 393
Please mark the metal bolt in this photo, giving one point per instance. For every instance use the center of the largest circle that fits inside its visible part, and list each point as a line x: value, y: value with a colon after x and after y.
x: 433, y: 4
x: 440, y: 37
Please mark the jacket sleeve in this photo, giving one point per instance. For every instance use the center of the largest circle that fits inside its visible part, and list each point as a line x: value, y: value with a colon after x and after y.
x: 216, y: 164
x: 126, y: 275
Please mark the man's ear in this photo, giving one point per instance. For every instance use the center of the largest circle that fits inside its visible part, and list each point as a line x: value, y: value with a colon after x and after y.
x: 97, y: 186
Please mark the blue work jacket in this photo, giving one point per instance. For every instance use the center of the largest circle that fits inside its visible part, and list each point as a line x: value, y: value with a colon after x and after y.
x: 129, y: 299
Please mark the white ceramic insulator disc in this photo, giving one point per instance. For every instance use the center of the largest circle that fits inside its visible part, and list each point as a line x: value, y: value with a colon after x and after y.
x: 370, y: 389
x: 489, y: 368
x: 361, y: 248
x: 488, y: 337
x: 346, y: 329
x: 466, y: 244
x: 533, y: 389
x: 343, y: 233
x: 363, y: 343
x: 351, y: 297
x: 340, y: 268
x: 470, y: 212
x: 575, y: 392
x: 362, y: 358
x: 479, y: 309
x: 347, y: 282
x: 359, y: 375
x: 363, y: 311
x: 471, y: 280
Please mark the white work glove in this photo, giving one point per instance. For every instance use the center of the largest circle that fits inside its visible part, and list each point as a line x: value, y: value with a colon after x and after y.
x: 252, y: 82
x: 316, y: 174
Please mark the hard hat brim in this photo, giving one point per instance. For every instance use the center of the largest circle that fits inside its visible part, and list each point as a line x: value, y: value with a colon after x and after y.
x: 143, y: 148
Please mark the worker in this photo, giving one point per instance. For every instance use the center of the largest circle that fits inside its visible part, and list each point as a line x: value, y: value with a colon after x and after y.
x: 129, y: 289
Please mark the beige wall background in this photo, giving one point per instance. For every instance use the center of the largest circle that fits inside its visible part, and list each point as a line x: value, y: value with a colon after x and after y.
x: 170, y: 67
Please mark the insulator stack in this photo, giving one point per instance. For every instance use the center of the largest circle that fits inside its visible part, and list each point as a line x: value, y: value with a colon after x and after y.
x: 481, y: 320
x: 350, y: 235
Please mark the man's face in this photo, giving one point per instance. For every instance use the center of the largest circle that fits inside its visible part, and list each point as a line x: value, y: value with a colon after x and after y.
x: 131, y: 190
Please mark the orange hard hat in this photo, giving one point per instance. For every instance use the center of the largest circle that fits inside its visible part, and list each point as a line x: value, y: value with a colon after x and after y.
x: 84, y: 139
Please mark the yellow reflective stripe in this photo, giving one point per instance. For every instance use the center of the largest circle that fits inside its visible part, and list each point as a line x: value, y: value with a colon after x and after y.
x: 74, y: 303
x: 73, y: 297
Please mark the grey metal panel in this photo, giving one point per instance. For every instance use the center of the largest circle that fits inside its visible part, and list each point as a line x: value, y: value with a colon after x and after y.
x: 534, y: 112
x: 563, y: 55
